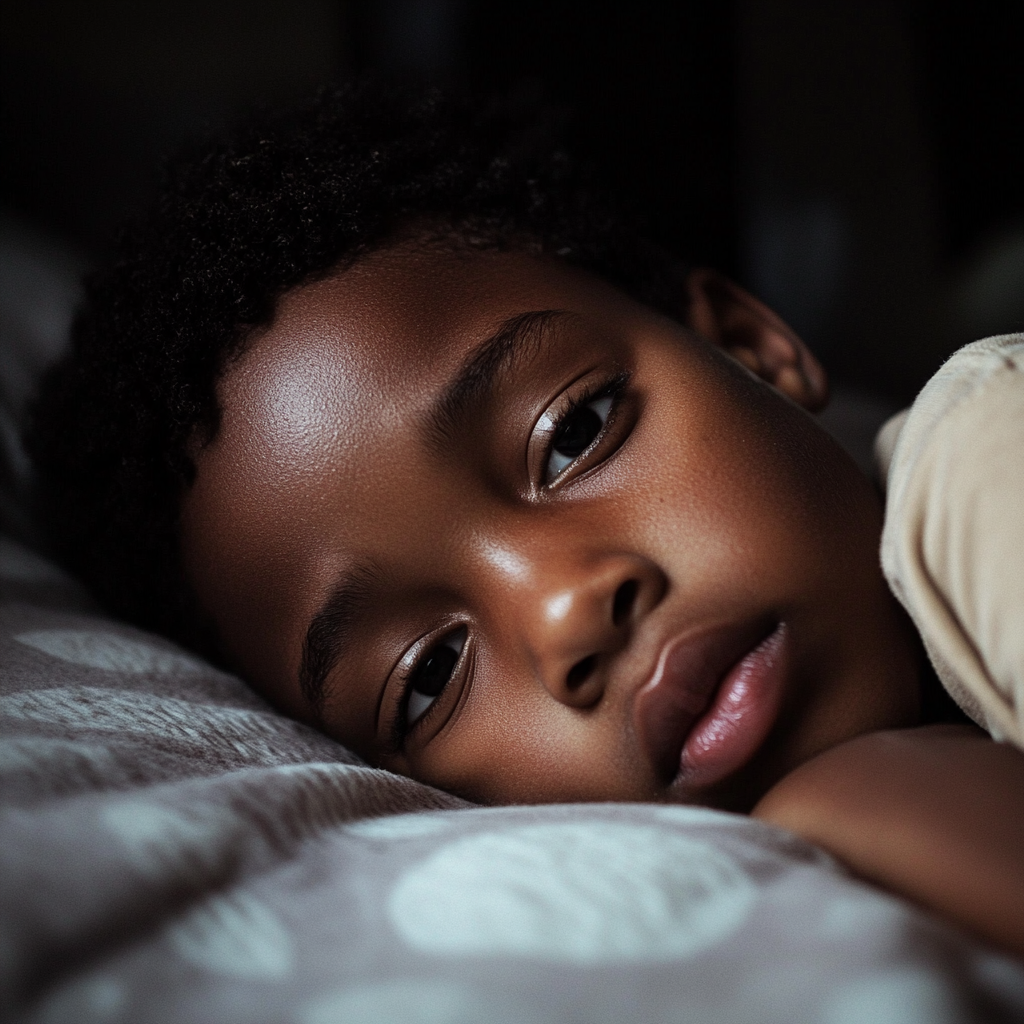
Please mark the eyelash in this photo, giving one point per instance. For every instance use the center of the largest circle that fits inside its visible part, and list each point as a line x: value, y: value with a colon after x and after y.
x: 401, y: 727
x: 614, y: 390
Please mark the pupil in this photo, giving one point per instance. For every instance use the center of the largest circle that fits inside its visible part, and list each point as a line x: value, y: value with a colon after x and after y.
x: 577, y: 433
x: 434, y: 673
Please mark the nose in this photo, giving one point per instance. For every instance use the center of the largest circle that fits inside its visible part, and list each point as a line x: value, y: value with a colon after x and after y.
x: 579, y: 616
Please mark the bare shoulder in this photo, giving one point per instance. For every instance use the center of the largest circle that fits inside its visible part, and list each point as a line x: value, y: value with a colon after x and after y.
x: 934, y: 813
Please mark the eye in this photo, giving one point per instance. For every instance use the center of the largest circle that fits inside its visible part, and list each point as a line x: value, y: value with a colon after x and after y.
x: 431, y: 675
x: 576, y: 432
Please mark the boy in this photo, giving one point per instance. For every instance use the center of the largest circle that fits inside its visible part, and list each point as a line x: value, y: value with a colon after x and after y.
x: 382, y: 409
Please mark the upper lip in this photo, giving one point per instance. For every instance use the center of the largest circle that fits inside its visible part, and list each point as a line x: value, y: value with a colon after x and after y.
x: 682, y: 685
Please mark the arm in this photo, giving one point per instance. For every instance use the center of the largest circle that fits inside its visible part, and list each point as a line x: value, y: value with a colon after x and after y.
x: 935, y: 814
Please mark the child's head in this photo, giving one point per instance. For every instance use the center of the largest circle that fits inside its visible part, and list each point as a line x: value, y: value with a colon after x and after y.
x: 381, y: 404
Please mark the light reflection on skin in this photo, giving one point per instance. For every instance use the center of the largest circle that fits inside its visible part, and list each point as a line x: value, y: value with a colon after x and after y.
x: 505, y: 560
x: 299, y: 417
x: 558, y: 607
x: 515, y: 569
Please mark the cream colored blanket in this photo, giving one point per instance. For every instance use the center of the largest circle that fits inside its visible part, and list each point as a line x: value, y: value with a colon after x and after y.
x: 953, y: 543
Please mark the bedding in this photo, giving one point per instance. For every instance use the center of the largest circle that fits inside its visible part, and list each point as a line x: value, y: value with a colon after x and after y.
x: 173, y: 850
x: 954, y: 523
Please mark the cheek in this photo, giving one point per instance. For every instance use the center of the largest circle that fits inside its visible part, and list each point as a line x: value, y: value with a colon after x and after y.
x: 522, y: 746
x: 743, y: 497
x: 755, y: 457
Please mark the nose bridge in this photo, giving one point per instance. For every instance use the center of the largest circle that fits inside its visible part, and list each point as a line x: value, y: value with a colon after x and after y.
x: 553, y: 579
x: 566, y: 598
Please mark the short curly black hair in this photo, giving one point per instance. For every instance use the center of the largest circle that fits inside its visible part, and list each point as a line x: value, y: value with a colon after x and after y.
x: 286, y: 199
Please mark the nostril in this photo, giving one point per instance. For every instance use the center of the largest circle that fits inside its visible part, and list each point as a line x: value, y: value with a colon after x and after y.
x: 623, y: 602
x: 579, y: 672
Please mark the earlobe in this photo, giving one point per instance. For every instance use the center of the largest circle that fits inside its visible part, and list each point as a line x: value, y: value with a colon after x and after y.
x: 756, y: 337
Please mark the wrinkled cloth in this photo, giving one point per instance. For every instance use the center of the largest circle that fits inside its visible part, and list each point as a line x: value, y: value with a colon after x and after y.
x: 953, y: 541
x: 173, y: 850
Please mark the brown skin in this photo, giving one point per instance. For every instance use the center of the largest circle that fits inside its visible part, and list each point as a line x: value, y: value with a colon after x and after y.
x: 711, y: 497
x: 935, y: 813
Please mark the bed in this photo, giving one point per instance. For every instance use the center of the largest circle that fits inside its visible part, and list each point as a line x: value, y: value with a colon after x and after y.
x: 174, y: 850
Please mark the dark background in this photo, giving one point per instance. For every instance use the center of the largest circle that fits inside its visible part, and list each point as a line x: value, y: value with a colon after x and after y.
x: 859, y: 164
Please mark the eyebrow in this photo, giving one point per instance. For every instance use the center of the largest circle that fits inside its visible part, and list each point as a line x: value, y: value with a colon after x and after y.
x: 516, y: 340
x: 330, y: 630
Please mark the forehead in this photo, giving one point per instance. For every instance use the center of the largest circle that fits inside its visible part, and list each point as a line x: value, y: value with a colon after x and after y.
x: 314, y: 415
x: 371, y: 337
x: 350, y: 358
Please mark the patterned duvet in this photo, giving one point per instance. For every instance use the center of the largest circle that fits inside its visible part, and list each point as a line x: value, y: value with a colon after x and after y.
x: 173, y: 850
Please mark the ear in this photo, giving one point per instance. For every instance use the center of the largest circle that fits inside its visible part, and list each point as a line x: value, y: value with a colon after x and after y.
x: 755, y: 337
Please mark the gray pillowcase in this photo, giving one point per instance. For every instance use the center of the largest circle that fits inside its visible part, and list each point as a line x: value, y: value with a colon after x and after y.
x: 174, y: 850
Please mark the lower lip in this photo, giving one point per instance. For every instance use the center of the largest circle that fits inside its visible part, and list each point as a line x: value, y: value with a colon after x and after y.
x: 742, y: 712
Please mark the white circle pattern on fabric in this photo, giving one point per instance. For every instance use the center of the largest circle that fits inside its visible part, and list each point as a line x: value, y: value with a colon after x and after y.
x: 587, y: 893
x: 684, y: 815
x: 911, y: 997
x: 162, y: 840
x: 146, y: 714
x: 325, y: 771
x: 401, y: 826
x: 409, y: 1001
x: 857, y: 914
x: 109, y: 651
x: 235, y: 936
x: 30, y: 754
x: 93, y: 998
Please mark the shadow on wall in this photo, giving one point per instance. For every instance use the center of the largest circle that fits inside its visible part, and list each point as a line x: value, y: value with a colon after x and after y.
x: 879, y: 212
x: 93, y: 94
x: 856, y: 163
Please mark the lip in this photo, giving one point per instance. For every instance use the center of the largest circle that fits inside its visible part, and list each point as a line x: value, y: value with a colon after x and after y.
x: 711, y: 701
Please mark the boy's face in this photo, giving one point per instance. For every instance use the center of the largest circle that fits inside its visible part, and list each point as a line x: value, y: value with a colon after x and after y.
x: 532, y: 541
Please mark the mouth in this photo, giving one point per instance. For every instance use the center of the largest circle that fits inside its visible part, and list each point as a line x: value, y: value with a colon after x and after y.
x: 712, y: 700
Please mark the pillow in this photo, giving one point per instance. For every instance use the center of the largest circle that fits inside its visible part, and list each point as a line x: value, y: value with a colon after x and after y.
x: 954, y: 524
x: 172, y: 849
